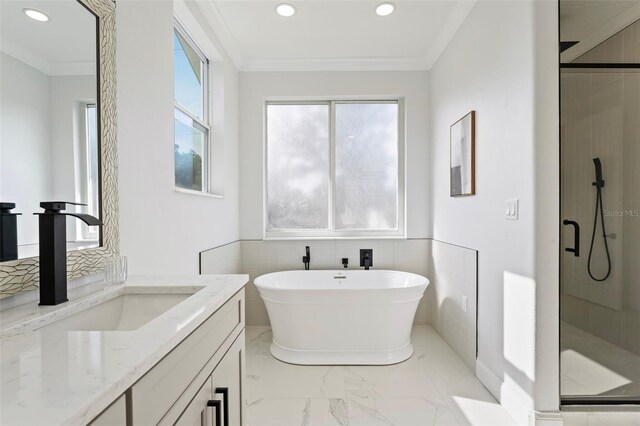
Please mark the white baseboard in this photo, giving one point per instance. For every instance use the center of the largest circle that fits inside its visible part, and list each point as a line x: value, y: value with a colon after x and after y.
x: 515, y: 400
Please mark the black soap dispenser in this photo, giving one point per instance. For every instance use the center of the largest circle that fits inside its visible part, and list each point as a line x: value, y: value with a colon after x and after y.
x: 53, y: 249
x: 8, y: 232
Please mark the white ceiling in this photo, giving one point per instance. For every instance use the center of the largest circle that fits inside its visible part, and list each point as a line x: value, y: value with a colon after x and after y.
x: 326, y: 34
x: 66, y: 44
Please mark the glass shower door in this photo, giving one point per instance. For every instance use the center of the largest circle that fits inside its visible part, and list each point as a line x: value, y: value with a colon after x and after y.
x: 600, y: 282
x: 600, y: 213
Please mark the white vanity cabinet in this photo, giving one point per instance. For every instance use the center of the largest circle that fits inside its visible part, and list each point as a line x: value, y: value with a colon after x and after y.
x: 181, y: 388
x: 228, y: 376
x: 218, y: 402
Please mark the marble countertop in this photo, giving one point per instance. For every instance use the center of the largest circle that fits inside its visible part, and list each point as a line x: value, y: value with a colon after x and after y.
x: 69, y: 377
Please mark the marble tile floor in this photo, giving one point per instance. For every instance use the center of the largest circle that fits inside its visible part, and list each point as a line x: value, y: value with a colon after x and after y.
x: 433, y: 387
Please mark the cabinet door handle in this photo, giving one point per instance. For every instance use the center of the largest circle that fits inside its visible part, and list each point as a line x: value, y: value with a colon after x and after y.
x: 215, y: 403
x: 576, y: 237
x: 225, y: 400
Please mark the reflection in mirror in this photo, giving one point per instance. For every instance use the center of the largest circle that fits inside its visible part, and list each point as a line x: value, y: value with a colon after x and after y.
x: 49, y: 144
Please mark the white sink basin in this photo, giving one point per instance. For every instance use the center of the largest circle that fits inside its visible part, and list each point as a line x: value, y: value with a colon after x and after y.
x: 125, y: 312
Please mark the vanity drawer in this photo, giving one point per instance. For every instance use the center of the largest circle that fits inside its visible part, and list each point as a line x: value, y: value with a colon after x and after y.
x: 155, y: 393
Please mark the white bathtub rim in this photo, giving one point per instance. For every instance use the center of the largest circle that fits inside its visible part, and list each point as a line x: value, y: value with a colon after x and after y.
x: 340, y: 302
x: 262, y: 282
x: 341, y: 357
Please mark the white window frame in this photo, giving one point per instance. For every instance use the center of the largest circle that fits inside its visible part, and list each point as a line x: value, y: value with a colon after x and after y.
x: 332, y: 232
x: 205, y: 121
x: 91, y: 233
x: 82, y: 171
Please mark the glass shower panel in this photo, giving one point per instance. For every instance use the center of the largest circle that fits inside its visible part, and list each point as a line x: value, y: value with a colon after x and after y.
x: 600, y: 186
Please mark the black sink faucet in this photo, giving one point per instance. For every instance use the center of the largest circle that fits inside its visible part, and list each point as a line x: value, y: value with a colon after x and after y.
x: 307, y: 258
x: 53, y: 249
x: 8, y: 232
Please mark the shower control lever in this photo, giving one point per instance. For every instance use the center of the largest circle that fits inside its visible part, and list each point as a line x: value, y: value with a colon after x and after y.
x: 576, y: 237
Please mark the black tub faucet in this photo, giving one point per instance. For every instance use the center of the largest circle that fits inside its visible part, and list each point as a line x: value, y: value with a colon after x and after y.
x: 307, y: 258
x: 366, y: 258
x: 53, y: 249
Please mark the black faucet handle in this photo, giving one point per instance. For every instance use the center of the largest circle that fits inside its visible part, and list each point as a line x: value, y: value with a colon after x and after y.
x: 57, y: 206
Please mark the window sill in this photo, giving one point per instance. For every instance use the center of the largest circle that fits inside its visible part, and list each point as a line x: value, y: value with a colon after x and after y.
x: 336, y: 237
x: 197, y: 193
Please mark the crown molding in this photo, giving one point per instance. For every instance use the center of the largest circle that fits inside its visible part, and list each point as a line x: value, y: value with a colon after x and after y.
x: 451, y: 26
x: 335, y: 64
x: 72, y: 68
x: 24, y: 55
x: 449, y: 30
x: 221, y: 30
x: 52, y: 69
x: 611, y: 28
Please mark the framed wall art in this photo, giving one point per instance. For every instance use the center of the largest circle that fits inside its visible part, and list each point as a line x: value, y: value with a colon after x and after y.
x: 462, y: 145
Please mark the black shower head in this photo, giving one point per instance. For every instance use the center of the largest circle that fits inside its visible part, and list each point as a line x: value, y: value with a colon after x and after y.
x: 599, y: 181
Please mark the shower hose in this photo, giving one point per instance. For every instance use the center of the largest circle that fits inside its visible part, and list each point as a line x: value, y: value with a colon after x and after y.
x: 604, y: 236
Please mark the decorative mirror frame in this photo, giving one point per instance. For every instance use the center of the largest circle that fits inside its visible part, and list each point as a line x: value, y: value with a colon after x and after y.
x: 23, y: 275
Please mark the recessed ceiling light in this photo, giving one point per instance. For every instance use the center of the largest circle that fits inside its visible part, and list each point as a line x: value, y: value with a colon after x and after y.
x: 36, y: 15
x: 385, y: 9
x: 285, y: 9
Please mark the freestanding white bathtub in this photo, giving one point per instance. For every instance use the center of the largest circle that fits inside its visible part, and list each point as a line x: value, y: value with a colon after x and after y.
x: 341, y: 317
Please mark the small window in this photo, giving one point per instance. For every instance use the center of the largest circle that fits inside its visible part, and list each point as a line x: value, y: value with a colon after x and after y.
x: 192, y: 118
x: 334, y: 169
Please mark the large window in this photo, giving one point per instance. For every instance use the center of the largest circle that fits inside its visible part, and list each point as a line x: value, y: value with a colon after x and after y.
x: 192, y: 118
x: 334, y: 169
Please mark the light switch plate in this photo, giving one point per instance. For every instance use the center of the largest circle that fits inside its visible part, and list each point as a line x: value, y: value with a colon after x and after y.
x: 465, y: 303
x: 511, y: 210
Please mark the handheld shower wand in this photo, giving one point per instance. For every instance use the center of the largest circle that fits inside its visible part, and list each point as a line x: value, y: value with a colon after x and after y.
x: 599, y: 184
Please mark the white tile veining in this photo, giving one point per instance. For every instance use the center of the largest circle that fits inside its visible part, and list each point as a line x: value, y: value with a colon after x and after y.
x: 434, y: 387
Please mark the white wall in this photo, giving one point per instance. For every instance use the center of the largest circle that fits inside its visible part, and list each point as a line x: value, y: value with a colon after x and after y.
x: 25, y: 143
x: 161, y: 230
x: 257, y: 87
x: 498, y: 65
